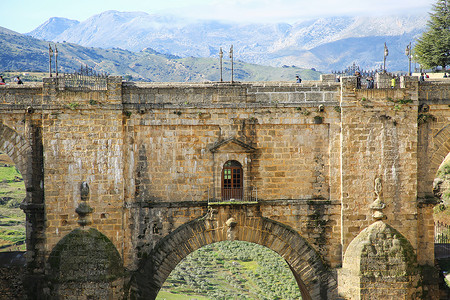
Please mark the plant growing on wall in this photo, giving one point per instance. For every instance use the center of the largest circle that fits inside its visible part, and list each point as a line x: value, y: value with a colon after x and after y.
x: 318, y: 120
x: 73, y: 105
x: 305, y: 112
x: 397, y: 107
x: 425, y: 118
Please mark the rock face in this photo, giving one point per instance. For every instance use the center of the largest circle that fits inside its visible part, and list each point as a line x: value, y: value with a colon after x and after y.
x: 325, y: 44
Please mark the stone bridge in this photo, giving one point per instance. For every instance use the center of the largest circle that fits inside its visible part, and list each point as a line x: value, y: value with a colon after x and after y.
x: 124, y: 180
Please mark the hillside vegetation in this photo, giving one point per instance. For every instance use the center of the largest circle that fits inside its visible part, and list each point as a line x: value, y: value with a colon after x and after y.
x: 12, y: 218
x: 442, y: 210
x: 22, y: 53
x: 231, y: 270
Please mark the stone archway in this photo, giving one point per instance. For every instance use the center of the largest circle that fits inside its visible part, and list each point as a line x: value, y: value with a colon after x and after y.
x: 441, y: 149
x: 434, y: 147
x: 18, y: 149
x: 27, y: 153
x: 235, y: 222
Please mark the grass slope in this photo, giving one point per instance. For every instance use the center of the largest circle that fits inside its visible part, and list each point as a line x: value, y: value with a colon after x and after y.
x: 231, y: 270
x: 22, y: 53
x: 12, y: 218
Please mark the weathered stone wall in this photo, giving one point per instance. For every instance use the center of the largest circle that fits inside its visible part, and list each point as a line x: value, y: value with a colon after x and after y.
x: 83, y: 141
x: 379, y: 139
x: 12, y: 271
x: 175, y: 156
x: 11, y: 283
x: 317, y: 221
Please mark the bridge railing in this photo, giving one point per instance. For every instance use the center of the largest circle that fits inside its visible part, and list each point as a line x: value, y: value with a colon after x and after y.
x: 82, y: 81
x: 248, y: 195
x: 441, y: 239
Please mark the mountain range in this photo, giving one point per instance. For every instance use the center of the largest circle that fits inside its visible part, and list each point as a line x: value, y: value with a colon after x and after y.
x: 325, y: 44
x: 24, y: 53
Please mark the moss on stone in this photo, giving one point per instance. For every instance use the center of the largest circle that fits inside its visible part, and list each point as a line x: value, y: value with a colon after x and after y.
x: 85, y: 255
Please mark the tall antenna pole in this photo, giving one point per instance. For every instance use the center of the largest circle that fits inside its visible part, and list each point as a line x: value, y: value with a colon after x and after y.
x: 410, y: 56
x: 231, y: 56
x: 50, y: 54
x: 386, y: 53
x: 221, y: 56
x: 56, y: 61
x: 408, y: 52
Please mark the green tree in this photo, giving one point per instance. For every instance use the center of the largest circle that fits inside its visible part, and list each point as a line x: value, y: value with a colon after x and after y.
x: 433, y: 47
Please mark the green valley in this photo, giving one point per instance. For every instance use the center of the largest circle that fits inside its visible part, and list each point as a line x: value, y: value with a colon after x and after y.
x: 231, y: 270
x: 12, y: 218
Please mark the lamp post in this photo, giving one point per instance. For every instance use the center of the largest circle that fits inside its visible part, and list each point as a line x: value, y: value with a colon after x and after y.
x: 231, y: 56
x: 56, y: 61
x: 408, y: 52
x: 50, y: 54
x: 386, y: 53
x: 221, y: 56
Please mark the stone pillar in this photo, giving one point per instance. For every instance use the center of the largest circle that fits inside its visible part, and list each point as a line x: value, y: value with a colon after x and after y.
x: 327, y: 78
x: 34, y: 210
x: 383, y: 81
x: 409, y: 82
x: 49, y: 90
x: 114, y: 92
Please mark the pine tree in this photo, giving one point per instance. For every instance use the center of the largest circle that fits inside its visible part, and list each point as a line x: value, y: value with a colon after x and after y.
x: 433, y: 47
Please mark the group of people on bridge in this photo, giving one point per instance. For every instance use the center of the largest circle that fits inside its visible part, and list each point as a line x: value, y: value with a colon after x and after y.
x: 16, y: 80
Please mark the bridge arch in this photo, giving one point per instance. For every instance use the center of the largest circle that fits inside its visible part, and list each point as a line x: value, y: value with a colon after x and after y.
x: 18, y: 149
x: 432, y: 151
x: 441, y: 149
x: 314, y: 279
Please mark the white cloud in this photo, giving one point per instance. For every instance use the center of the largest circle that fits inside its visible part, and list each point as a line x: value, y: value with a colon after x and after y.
x: 287, y: 10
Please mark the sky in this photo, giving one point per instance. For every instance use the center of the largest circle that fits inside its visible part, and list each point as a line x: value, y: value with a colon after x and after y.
x: 26, y: 15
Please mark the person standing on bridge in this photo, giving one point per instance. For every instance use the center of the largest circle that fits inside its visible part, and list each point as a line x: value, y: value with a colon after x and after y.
x: 19, y: 81
x: 370, y: 82
x: 422, y: 77
x: 358, y: 79
x: 2, y: 81
x: 393, y: 82
x: 298, y: 79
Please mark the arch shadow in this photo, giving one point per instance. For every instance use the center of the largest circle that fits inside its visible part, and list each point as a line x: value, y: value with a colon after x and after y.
x: 314, y: 279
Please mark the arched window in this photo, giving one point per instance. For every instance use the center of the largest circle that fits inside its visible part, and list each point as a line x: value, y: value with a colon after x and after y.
x: 232, y: 181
